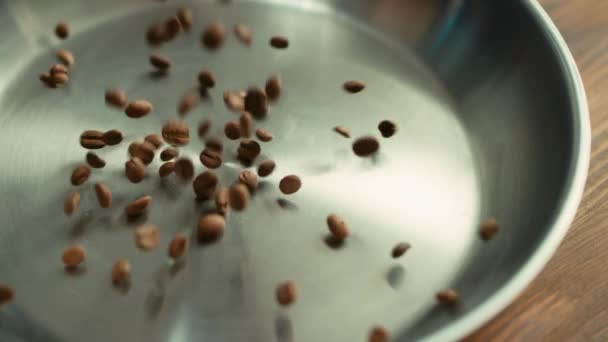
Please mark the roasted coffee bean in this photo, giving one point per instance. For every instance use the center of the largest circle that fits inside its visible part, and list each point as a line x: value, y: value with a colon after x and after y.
x: 147, y: 236
x: 138, y: 206
x: 249, y: 179
x: 156, y: 34
x: 80, y: 175
x: 172, y: 28
x: 378, y: 334
x: 248, y: 150
x: 166, y: 169
x: 144, y: 151
x: 354, y: 86
x: 161, y: 63
x: 213, y: 36
x: 238, y: 196
x: 210, y: 227
x: 221, y: 201
x: 203, y: 128
x: 60, y: 78
x: 488, y: 229
x: 188, y: 102
x: 256, y: 102
x: 185, y: 18
x: 211, y: 158
x: 116, y: 98
x: 206, y: 79
x: 214, y: 144
x: 246, y: 124
x: 59, y: 69
x: 62, y: 30
x: 366, y: 146
x: 343, y: 131
x: 73, y: 256
x: 155, y: 139
x: 92, y: 140
x: 104, y: 195
x: 169, y: 153
x: 338, y: 228
x: 263, y: 135
x: 290, y: 184
x: 176, y: 133
x: 95, y: 161
x: 71, y: 203
x: 387, y: 128
x: 234, y: 101
x: 273, y: 87
x: 243, y: 34
x: 6, y: 294
x: 47, y: 80
x: 184, y: 169
x: 448, y: 297
x: 279, y: 42
x: 400, y: 249
x: 286, y: 293
x: 232, y: 130
x: 138, y: 108
x: 178, y: 246
x: 112, y: 137
x: 266, y: 168
x: 204, y: 185
x: 121, y: 272
x: 135, y: 169
x: 65, y: 57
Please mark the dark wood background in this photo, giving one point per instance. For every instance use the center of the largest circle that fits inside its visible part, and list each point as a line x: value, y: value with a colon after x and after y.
x: 569, y: 300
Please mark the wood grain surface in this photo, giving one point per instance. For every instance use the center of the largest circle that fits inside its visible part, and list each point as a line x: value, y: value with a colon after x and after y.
x: 569, y: 300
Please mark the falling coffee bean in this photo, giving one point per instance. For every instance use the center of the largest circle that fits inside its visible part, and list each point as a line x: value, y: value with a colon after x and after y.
x: 60, y: 78
x: 387, y: 128
x: 80, y: 175
x: 213, y: 36
x: 266, y: 168
x: 166, y: 169
x: 354, y: 86
x: 73, y: 256
x: 248, y: 150
x: 144, y: 151
x: 147, y: 237
x: 138, y: 108
x: 204, y: 185
x: 238, y: 196
x: 273, y: 87
x: 168, y: 154
x: 249, y: 179
x: 58, y: 69
x: 184, y: 15
x: 178, y: 246
x: 338, y: 228
x: 366, y: 146
x: 121, y: 272
x: 6, y: 294
x: 221, y: 201
x: 279, y: 42
x: 234, y: 101
x: 104, y: 195
x: 62, y: 30
x: 400, y: 249
x: 157, y: 34
x: 184, y: 169
x: 206, y: 79
x: 188, y: 102
x: 210, y: 227
x: 161, y: 63
x: 65, y: 57
x: 116, y: 98
x: 211, y: 158
x: 290, y: 184
x: 155, y: 139
x: 112, y: 137
x: 135, y: 170
x: 378, y: 334
x: 343, y: 131
x: 214, y: 144
x: 71, y: 203
x: 448, y: 297
x: 172, y: 28
x: 176, y: 133
x: 243, y: 34
x: 232, y: 130
x: 256, y: 102
x: 286, y: 293
x: 245, y: 124
x: 47, y: 80
x: 488, y: 229
x: 92, y: 140
x: 138, y: 206
x: 203, y: 128
x: 263, y: 135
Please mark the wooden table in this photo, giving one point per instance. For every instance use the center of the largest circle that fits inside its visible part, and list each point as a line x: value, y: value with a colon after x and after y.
x: 569, y: 300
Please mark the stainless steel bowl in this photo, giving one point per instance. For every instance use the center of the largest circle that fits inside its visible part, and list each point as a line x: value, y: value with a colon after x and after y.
x: 492, y: 122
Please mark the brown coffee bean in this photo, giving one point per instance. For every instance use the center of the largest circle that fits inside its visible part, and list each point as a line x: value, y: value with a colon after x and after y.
x: 184, y: 169
x: 155, y: 139
x: 210, y: 227
x: 448, y: 297
x: 104, y: 195
x: 204, y: 185
x: 166, y: 169
x: 144, y: 151
x: 92, y: 140
x: 169, y: 153
x: 378, y: 334
x: 58, y: 69
x: 343, y: 131
x: 243, y: 34
x: 279, y: 42
x: 203, y: 128
x: 185, y: 18
x: 211, y: 159
x: 286, y: 293
x: 249, y: 179
x: 221, y: 201
x: 138, y: 108
x: 95, y: 161
x: 232, y: 130
x: 176, y: 133
x: 178, y: 246
x: 71, y: 203
x: 147, y: 237
x: 60, y: 78
x: 138, y: 206
x: 246, y: 124
x: 172, y: 28
x: 366, y: 146
x: 263, y: 135
x: 112, y: 137
x: 234, y: 101
x: 47, y: 80
x: 157, y: 34
x: 80, y: 175
x: 256, y: 102
x: 354, y: 86
x: 213, y: 36
x: 248, y: 150
x: 121, y: 272
x: 73, y: 256
x: 135, y: 170
x: 400, y: 249
x: 206, y: 79
x: 338, y: 228
x: 214, y: 144
x: 238, y: 196
x: 387, y: 128
x: 266, y: 168
x: 6, y: 294
x: 188, y: 102
x: 62, y: 30
x: 161, y: 63
x: 65, y: 57
x: 290, y: 184
x: 273, y: 87
x: 488, y: 229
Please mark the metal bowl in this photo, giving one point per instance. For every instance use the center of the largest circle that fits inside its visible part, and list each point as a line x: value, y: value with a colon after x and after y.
x: 492, y: 122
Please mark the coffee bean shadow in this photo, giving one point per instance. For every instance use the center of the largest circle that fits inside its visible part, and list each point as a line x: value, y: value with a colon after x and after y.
x: 205, y: 95
x: 318, y: 169
x: 122, y: 288
x: 80, y: 227
x: 283, y: 328
x: 75, y: 271
x: 155, y: 75
x: 395, y: 276
x: 177, y: 266
x: 134, y: 221
x: 333, y: 243
x: 264, y: 186
x: 287, y: 204
x: 170, y: 188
